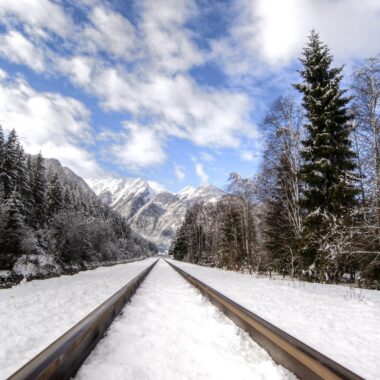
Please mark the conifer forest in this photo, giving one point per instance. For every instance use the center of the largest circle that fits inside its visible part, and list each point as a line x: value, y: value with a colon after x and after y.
x: 50, y: 224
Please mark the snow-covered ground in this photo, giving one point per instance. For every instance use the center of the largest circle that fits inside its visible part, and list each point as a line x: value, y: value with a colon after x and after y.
x: 170, y: 331
x: 340, y: 322
x: 34, y: 314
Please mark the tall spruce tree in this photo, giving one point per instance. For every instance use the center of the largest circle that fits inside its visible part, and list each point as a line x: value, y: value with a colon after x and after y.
x: 14, y: 228
x: 2, y: 142
x: 23, y: 182
x: 179, y: 245
x: 8, y: 169
x: 39, y: 190
x: 328, y: 169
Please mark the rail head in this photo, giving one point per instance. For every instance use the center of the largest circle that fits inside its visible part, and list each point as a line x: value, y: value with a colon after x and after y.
x: 301, y: 359
x: 62, y: 359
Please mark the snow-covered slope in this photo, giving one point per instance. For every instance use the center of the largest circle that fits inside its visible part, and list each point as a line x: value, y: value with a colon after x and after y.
x: 153, y: 214
x: 126, y: 195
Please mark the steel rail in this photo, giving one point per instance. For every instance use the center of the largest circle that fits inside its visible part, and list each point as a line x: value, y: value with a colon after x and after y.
x: 62, y: 359
x: 299, y: 358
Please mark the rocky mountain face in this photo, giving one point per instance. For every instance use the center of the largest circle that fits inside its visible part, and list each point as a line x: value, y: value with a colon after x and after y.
x: 154, y: 215
x: 66, y: 176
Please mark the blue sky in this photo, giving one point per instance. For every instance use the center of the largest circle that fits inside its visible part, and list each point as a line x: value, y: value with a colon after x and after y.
x: 169, y: 90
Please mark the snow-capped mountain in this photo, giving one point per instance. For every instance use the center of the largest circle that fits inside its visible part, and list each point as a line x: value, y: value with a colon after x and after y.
x: 156, y: 215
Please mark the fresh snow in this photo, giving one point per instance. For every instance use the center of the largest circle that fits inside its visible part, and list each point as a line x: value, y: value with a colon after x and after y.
x: 170, y: 331
x: 120, y: 187
x: 204, y: 193
x: 339, y: 321
x: 186, y: 192
x: 34, y: 314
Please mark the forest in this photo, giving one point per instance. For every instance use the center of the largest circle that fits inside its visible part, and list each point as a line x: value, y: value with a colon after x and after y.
x: 51, y: 225
x: 312, y: 211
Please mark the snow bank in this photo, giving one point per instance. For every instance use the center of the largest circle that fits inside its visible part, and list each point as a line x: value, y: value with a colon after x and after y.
x: 34, y: 314
x: 170, y: 331
x: 340, y: 322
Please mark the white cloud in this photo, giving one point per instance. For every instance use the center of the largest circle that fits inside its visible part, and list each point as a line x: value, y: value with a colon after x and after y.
x: 36, y: 16
x: 206, y: 157
x: 156, y: 89
x: 247, y: 155
x: 16, y: 48
x: 142, y: 147
x: 274, y: 32
x: 204, y: 116
x: 79, y: 69
x: 49, y: 122
x: 167, y: 40
x: 203, y: 177
x: 179, y: 172
x: 109, y: 32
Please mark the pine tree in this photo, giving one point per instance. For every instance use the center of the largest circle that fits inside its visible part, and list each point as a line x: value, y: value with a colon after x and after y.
x: 23, y: 182
x: 8, y: 169
x: 54, y: 196
x: 2, y: 142
x: 39, y: 190
x: 179, y: 246
x: 231, y: 241
x: 327, y: 173
x: 282, y: 219
x: 10, y: 247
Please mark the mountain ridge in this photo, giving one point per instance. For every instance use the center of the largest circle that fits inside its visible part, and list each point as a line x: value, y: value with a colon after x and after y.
x: 156, y: 215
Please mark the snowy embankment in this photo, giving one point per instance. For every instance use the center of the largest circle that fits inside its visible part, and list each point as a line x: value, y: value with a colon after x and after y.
x: 34, y: 314
x: 340, y: 322
x: 170, y: 331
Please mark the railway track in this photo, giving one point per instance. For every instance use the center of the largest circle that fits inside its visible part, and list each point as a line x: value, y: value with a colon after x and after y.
x: 63, y: 358
x: 284, y: 349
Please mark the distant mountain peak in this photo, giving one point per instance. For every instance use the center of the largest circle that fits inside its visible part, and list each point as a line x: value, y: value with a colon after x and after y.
x: 187, y: 191
x: 154, y: 213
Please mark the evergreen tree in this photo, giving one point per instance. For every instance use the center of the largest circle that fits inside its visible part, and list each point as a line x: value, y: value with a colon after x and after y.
x: 231, y: 244
x: 9, y: 164
x: 282, y: 220
x: 327, y: 172
x: 14, y: 229
x: 2, y: 141
x: 179, y: 246
x: 23, y: 182
x: 54, y: 196
x: 39, y: 190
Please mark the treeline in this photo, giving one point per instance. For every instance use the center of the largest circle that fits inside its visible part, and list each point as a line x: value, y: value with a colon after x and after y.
x: 313, y: 210
x: 49, y: 224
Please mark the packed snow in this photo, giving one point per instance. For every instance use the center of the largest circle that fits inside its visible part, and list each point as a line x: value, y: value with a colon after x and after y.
x: 34, y: 314
x: 170, y: 331
x: 339, y: 321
